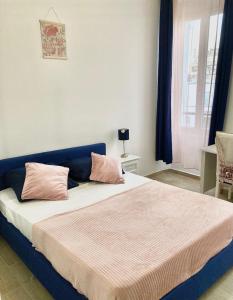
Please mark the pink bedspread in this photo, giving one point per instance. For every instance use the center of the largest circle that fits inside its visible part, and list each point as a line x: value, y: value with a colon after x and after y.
x: 136, y: 245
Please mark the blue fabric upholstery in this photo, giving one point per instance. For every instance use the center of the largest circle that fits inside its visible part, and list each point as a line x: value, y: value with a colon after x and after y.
x: 80, y: 168
x: 223, y: 73
x: 61, y: 289
x: 15, y: 179
x: 72, y: 183
x: 56, y: 157
x: 163, y: 124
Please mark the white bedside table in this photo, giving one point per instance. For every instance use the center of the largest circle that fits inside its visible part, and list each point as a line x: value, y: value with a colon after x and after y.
x: 130, y: 163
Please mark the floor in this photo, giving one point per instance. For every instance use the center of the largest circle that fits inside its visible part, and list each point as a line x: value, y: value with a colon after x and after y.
x: 185, y: 181
x: 18, y: 283
x: 179, y: 179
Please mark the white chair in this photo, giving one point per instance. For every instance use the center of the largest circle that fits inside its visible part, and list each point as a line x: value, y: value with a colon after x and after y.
x: 224, y: 176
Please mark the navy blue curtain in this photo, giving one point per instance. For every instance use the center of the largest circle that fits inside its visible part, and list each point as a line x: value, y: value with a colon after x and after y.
x: 163, y: 126
x: 223, y: 72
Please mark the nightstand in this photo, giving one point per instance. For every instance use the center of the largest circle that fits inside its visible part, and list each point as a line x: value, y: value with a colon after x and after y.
x: 130, y: 163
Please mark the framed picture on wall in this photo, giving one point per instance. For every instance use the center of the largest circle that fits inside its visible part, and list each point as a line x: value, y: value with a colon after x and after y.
x: 53, y: 40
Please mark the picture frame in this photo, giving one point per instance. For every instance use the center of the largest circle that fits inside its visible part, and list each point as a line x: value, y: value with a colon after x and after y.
x: 53, y: 40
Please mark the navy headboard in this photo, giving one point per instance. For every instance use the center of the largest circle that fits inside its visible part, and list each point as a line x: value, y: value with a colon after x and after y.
x: 56, y: 157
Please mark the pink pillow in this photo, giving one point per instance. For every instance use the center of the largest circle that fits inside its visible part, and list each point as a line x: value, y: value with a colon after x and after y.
x: 106, y: 169
x: 45, y: 182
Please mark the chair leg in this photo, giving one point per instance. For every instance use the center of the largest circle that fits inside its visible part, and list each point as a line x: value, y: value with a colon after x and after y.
x: 229, y: 193
x: 217, y: 190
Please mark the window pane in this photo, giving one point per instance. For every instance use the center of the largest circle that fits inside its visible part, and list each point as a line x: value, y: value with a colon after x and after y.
x: 190, y: 73
x: 212, y: 55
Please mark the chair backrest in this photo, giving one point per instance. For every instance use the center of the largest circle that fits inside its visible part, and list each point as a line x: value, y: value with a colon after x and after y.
x: 224, y: 144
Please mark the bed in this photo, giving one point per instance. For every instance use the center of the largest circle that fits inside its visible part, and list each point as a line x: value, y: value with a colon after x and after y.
x: 16, y: 228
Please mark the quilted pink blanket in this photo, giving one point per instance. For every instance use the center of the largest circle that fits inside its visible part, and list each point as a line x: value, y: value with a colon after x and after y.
x: 136, y: 245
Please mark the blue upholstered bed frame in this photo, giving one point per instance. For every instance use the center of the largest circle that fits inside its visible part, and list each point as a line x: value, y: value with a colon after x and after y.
x: 61, y: 289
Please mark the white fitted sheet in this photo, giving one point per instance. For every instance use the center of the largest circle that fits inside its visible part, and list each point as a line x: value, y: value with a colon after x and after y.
x: 24, y: 215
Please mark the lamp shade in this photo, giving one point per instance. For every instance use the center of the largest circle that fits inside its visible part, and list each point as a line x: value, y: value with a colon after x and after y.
x: 123, y: 134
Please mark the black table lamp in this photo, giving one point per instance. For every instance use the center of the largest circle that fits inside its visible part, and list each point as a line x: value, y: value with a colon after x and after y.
x: 123, y: 135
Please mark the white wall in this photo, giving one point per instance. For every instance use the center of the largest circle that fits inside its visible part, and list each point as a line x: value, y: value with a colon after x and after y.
x: 108, y: 81
x: 228, y: 126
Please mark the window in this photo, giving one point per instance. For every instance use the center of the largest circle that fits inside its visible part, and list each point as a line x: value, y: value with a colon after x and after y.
x: 190, y: 73
x: 196, y: 37
x: 196, y: 107
x: 212, y: 54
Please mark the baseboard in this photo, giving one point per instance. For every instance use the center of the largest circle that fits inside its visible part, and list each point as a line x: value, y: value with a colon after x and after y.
x: 195, y: 176
x: 159, y: 166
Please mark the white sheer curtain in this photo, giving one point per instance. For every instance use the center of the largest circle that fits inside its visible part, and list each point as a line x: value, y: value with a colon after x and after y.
x: 197, y: 29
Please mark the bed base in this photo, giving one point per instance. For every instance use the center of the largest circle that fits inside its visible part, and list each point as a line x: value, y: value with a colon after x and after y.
x: 61, y: 289
x: 58, y: 287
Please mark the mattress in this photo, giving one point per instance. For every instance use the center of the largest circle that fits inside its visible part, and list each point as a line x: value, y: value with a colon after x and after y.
x: 24, y: 215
